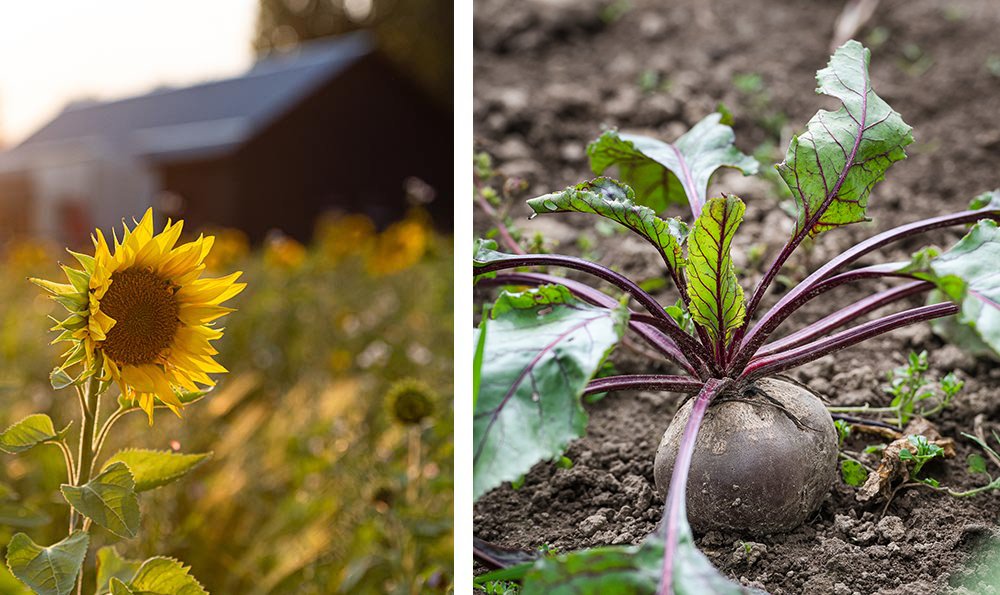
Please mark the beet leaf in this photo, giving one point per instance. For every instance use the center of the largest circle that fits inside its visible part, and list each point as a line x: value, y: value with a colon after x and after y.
x: 832, y: 167
x: 613, y: 200
x: 969, y: 276
x: 716, y: 295
x: 663, y: 174
x: 542, y: 342
x: 619, y: 569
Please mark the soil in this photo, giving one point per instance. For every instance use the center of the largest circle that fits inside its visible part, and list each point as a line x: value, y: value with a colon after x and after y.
x: 551, y: 74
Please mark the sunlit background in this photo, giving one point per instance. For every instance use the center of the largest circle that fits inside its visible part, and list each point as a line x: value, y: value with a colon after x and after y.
x: 312, y: 137
x: 53, y: 53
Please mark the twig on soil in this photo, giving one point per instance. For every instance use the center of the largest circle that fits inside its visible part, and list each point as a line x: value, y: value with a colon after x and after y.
x: 864, y: 422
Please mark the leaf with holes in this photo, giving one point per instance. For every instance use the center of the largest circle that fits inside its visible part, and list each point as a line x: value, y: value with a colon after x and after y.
x: 154, y: 468
x: 716, y: 296
x: 47, y: 570
x: 663, y: 174
x: 613, y: 200
x: 832, y: 167
x: 109, y: 500
x: 543, y: 346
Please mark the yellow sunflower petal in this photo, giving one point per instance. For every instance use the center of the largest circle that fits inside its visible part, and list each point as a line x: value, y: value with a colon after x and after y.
x: 194, y: 314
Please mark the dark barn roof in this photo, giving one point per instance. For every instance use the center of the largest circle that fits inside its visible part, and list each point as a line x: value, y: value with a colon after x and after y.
x: 209, y: 118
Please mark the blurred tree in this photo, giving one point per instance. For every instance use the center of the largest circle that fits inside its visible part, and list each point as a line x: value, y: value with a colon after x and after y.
x: 417, y: 34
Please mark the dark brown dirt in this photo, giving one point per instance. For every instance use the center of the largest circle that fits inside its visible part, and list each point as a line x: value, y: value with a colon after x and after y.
x: 551, y: 74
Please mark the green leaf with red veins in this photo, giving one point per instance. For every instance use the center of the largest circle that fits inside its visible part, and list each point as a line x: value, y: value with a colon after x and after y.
x: 616, y: 201
x: 716, y: 296
x: 543, y: 347
x: 663, y: 174
x: 623, y: 570
x: 968, y: 275
x: 832, y: 167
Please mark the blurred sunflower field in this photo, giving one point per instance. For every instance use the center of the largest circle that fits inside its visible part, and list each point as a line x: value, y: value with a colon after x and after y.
x: 332, y: 436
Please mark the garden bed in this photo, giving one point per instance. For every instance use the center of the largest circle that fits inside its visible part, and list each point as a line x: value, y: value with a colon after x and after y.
x: 550, y: 76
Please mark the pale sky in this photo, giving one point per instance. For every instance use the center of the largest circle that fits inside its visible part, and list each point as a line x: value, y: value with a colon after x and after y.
x: 54, y: 51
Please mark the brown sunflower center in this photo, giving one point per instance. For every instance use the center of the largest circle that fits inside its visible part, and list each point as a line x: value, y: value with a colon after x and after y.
x: 145, y: 312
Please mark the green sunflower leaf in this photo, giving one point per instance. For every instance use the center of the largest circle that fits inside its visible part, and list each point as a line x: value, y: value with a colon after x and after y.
x: 155, y: 468
x: 615, y: 201
x: 716, y: 296
x: 110, y: 565
x: 60, y: 378
x: 29, y: 432
x: 165, y: 576
x: 663, y: 174
x: 543, y: 346
x: 47, y: 570
x: 832, y: 167
x: 120, y: 588
x: 109, y: 500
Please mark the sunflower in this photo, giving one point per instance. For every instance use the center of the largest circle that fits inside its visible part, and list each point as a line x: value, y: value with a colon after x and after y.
x: 402, y: 245
x: 141, y: 316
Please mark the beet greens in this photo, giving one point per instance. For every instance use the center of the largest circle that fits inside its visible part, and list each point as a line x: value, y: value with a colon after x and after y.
x: 539, y: 349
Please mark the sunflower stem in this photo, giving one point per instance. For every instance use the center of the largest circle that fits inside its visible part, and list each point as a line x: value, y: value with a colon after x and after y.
x: 102, y: 435
x: 90, y: 410
x: 91, y: 405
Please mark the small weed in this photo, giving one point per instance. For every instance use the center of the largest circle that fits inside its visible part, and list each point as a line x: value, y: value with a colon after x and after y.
x: 843, y: 431
x: 877, y: 37
x: 923, y: 451
x: 649, y: 81
x: 992, y: 65
x: 853, y: 473
x: 749, y: 83
x: 915, y: 62
x: 615, y: 11
x: 496, y: 204
x: 909, y: 386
